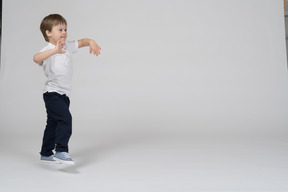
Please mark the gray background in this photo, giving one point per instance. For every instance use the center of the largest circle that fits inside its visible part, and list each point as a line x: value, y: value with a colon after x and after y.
x: 185, y: 96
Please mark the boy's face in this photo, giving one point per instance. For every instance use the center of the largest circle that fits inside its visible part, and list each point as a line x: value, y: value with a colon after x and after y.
x: 58, y: 32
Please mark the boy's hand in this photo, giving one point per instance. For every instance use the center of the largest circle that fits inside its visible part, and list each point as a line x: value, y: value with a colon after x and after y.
x: 59, y: 46
x: 94, y: 47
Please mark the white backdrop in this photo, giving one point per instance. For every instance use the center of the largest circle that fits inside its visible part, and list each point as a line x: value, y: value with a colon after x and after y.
x: 165, y: 65
x: 187, y: 95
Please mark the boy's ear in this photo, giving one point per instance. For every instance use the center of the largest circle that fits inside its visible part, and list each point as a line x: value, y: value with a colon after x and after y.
x: 48, y: 33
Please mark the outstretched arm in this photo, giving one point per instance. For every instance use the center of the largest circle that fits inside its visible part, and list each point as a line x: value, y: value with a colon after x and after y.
x: 40, y: 57
x: 93, y: 46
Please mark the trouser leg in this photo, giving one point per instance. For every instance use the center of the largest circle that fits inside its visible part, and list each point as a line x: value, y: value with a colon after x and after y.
x: 48, y: 142
x: 59, y: 123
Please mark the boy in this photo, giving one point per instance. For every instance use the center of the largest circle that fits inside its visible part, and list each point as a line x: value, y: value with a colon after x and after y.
x: 56, y: 61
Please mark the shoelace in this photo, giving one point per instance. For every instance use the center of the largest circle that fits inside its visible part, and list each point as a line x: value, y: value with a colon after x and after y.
x: 66, y: 155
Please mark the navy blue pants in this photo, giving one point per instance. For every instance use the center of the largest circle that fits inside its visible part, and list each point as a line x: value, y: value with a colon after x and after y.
x: 59, y: 124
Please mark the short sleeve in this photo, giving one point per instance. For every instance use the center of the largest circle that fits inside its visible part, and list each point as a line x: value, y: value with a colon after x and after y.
x: 45, y: 49
x: 72, y: 46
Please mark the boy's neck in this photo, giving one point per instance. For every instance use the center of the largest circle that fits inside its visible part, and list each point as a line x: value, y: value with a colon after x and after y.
x: 51, y: 42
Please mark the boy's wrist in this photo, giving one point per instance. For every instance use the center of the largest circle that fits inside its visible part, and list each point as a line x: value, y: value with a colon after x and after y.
x: 55, y: 50
x: 92, y: 41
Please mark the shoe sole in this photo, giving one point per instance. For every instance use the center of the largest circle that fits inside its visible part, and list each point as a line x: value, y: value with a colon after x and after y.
x: 50, y: 162
x: 65, y: 162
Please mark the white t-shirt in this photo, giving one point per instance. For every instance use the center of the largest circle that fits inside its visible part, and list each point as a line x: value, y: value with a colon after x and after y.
x: 58, y: 69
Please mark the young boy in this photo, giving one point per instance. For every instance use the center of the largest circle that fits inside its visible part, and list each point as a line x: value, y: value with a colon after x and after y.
x: 56, y: 61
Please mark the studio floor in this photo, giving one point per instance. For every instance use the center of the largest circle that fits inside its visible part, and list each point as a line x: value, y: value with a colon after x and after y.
x: 151, y: 162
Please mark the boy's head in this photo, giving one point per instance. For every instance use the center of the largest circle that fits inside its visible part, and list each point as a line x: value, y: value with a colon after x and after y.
x: 49, y: 22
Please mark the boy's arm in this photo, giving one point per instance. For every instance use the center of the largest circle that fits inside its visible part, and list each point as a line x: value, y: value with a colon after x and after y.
x: 41, y: 56
x: 93, y: 46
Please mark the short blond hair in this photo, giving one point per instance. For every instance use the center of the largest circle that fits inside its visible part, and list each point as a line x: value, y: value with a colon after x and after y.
x: 49, y: 22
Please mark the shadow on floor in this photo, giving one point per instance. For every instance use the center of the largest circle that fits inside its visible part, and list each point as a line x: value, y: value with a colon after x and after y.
x: 97, y: 149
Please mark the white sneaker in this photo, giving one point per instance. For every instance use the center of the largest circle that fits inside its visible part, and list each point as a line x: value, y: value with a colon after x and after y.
x: 64, y: 158
x: 49, y: 159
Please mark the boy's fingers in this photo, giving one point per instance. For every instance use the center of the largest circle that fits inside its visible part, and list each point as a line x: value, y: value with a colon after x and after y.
x: 95, y: 50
